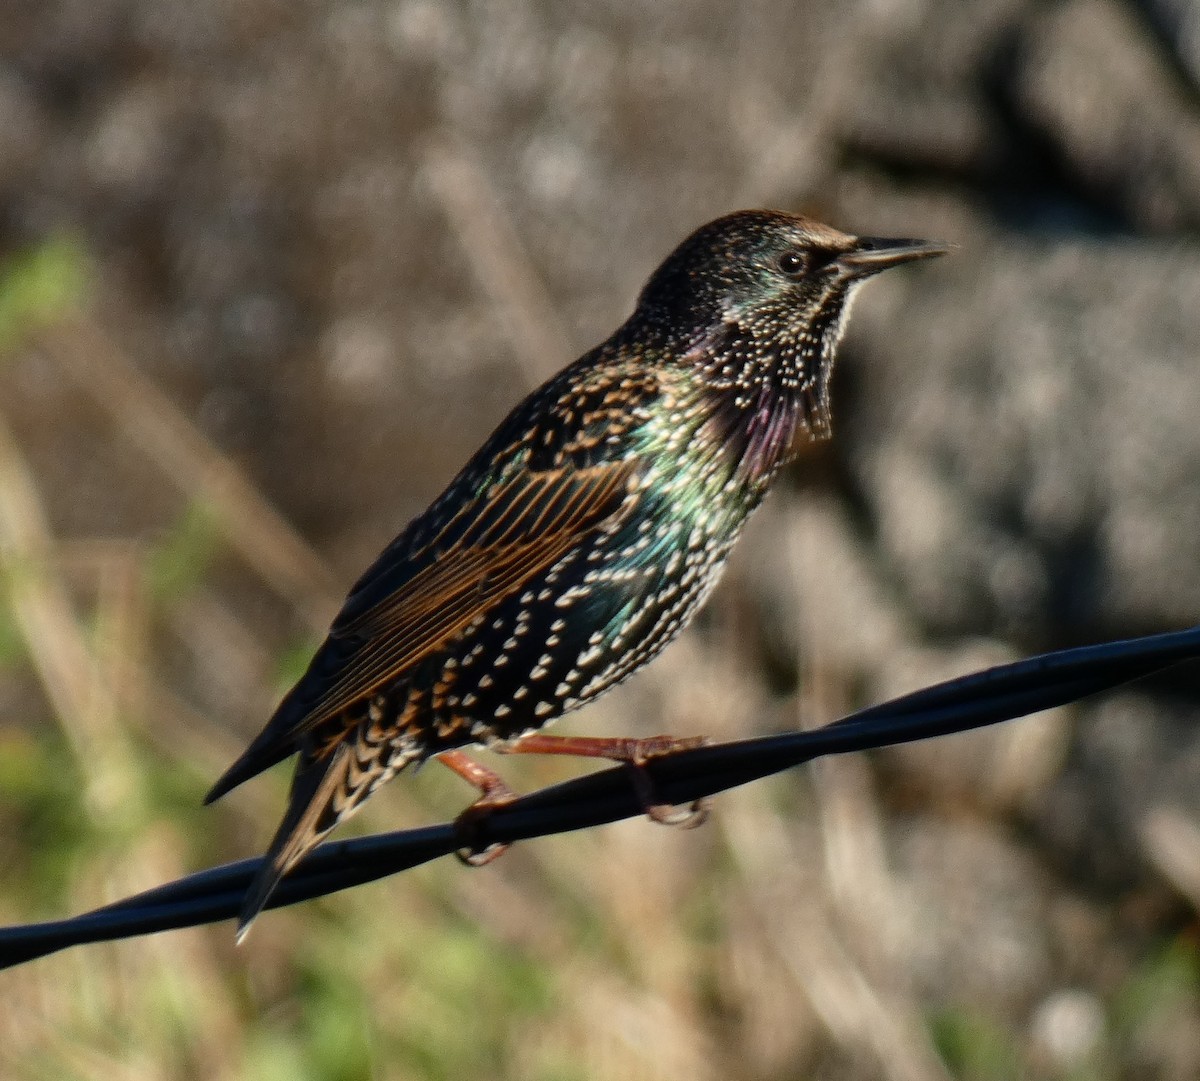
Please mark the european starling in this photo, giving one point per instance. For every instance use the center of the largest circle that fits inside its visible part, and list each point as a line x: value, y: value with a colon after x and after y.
x: 583, y: 535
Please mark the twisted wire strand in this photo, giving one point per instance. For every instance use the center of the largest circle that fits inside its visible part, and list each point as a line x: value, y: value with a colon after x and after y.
x: 986, y: 697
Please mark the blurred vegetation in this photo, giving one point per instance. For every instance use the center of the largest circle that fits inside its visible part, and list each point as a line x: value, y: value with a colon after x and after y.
x: 182, y: 558
x: 37, y: 286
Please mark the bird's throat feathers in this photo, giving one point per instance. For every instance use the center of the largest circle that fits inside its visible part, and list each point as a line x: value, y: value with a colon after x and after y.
x: 768, y: 435
x: 754, y: 435
x: 759, y: 399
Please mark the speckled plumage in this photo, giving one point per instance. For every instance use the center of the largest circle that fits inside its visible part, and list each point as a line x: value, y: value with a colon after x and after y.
x: 586, y: 531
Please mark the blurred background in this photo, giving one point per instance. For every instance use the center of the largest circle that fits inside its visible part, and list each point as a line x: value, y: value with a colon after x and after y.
x: 270, y: 271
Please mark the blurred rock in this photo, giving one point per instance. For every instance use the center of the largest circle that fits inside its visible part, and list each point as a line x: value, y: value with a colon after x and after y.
x: 1178, y: 22
x: 22, y: 142
x: 1092, y: 79
x: 928, y: 103
x: 1026, y: 441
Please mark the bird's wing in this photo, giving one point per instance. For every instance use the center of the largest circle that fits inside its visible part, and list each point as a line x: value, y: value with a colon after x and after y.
x: 516, y: 530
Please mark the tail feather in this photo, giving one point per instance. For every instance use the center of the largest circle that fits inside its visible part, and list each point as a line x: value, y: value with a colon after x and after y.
x: 329, y: 786
x: 287, y: 730
x: 323, y: 793
x: 280, y: 739
x: 250, y: 764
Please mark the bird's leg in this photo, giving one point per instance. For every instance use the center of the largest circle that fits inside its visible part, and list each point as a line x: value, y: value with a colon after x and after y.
x: 493, y: 793
x: 634, y: 753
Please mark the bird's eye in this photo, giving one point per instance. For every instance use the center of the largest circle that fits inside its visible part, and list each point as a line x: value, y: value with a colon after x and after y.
x: 793, y: 263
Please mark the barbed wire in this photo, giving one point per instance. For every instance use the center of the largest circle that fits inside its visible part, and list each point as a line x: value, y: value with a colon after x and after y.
x: 982, y: 698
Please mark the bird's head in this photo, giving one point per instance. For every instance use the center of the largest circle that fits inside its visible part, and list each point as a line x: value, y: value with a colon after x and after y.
x: 761, y: 297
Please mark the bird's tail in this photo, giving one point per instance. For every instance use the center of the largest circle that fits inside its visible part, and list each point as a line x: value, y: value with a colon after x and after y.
x: 326, y: 791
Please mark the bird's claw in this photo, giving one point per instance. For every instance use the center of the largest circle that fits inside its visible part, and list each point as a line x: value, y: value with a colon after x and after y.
x: 684, y: 818
x: 471, y: 857
x: 466, y: 825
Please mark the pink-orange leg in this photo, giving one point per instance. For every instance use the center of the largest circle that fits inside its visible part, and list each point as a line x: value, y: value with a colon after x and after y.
x: 634, y: 753
x: 493, y: 793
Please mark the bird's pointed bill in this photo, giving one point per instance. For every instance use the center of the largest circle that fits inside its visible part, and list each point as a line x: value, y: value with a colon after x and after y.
x: 873, y: 254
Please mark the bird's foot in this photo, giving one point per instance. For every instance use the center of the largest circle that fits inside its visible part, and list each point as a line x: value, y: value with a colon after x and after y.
x: 634, y: 753
x: 666, y: 814
x: 494, y: 793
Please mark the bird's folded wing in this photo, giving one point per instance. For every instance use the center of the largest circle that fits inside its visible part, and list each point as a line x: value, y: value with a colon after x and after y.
x: 517, y: 530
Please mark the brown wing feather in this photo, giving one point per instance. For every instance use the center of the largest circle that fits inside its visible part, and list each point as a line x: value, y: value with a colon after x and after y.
x: 526, y: 526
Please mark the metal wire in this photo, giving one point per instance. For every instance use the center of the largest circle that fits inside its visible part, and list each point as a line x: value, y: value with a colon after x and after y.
x: 973, y: 701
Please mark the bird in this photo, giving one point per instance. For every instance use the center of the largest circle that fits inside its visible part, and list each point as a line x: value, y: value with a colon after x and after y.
x: 580, y: 538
